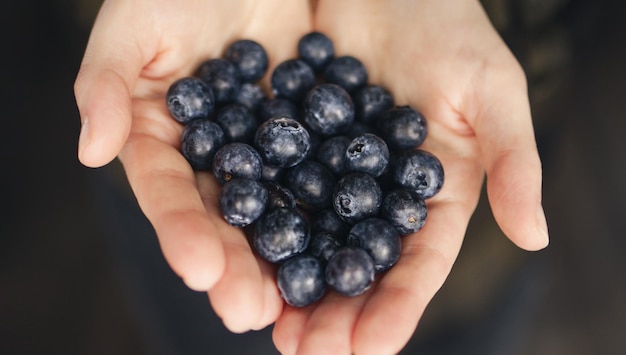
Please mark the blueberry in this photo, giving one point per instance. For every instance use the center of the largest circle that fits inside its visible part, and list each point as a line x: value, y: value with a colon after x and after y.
x: 357, y: 196
x: 332, y: 153
x: 280, y: 233
x: 328, y: 221
x: 237, y: 160
x: 328, y: 109
x: 283, y: 142
x: 200, y: 140
x: 367, y: 153
x: 405, y: 210
x: 279, y: 196
x: 242, y: 201
x: 317, y: 50
x: 222, y: 77
x: 350, y: 271
x: 419, y: 171
x: 249, y: 57
x: 292, y: 79
x: 323, y: 245
x: 272, y: 173
x: 370, y: 102
x: 402, y: 127
x: 238, y: 123
x: 379, y: 239
x: 347, y: 72
x: 358, y: 128
x: 277, y: 108
x: 251, y: 95
x: 312, y: 184
x: 189, y: 99
x: 301, y: 280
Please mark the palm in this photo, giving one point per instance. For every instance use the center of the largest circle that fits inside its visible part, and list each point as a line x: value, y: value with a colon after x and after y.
x: 441, y: 68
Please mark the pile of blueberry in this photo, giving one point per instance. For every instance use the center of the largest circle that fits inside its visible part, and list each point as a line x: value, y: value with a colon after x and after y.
x: 325, y: 172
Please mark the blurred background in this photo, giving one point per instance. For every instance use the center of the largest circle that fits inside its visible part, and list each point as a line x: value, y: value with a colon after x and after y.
x: 81, y: 271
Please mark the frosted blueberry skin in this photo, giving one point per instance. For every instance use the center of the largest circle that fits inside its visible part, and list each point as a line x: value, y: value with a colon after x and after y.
x: 367, y: 153
x: 275, y: 108
x: 312, y: 184
x: 237, y: 160
x: 405, y: 210
x: 379, y: 239
x: 189, y: 99
x: 402, y: 128
x: 300, y: 280
x: 347, y: 72
x: 317, y: 50
x: 328, y: 109
x: 328, y: 221
x: 357, y: 196
x: 371, y: 102
x: 250, y: 59
x: 282, y: 142
x: 350, y: 271
x: 200, y: 140
x: 251, y: 95
x: 222, y: 77
x: 238, y: 123
x: 279, y: 196
x: 332, y: 154
x: 419, y: 171
x: 323, y: 245
x: 292, y: 79
x: 280, y: 233
x: 272, y: 173
x: 242, y: 201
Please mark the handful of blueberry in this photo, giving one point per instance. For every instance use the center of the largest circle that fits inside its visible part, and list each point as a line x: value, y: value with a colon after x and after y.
x: 326, y: 170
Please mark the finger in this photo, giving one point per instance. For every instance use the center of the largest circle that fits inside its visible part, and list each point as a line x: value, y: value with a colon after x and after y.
x: 289, y: 328
x: 390, y: 316
x: 166, y: 191
x: 103, y: 88
x: 505, y: 134
x: 273, y: 302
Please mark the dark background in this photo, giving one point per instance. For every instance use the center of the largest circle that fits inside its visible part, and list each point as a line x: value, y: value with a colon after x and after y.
x: 81, y: 272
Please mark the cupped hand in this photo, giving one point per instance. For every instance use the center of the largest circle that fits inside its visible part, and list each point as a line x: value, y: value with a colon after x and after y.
x: 443, y: 58
x: 135, y: 51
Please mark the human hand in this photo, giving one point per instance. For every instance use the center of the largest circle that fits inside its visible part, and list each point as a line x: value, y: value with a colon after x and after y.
x: 443, y: 58
x: 136, y: 50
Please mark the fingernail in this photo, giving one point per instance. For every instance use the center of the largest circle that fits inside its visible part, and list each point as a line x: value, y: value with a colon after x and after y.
x: 542, y: 225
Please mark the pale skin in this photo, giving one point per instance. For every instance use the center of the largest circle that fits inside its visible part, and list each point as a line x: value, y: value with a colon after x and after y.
x: 440, y: 56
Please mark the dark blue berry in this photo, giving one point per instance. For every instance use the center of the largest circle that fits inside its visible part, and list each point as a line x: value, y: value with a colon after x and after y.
x: 328, y: 110
x: 249, y: 57
x: 222, y: 77
x: 200, y: 140
x: 189, y: 99
x: 237, y: 160
x: 312, y: 184
x: 357, y: 196
x: 279, y: 196
x: 370, y: 102
x: 238, y: 123
x: 301, y: 280
x: 282, y: 142
x: 242, y: 201
x: 277, y: 108
x: 350, y: 271
x: 379, y: 239
x: 403, y: 128
x: 251, y: 95
x: 332, y: 153
x: 328, y: 221
x: 347, y: 72
x: 323, y: 245
x: 419, y: 171
x: 280, y: 234
x: 367, y: 153
x: 292, y: 79
x: 272, y: 173
x: 405, y: 210
x: 317, y: 50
